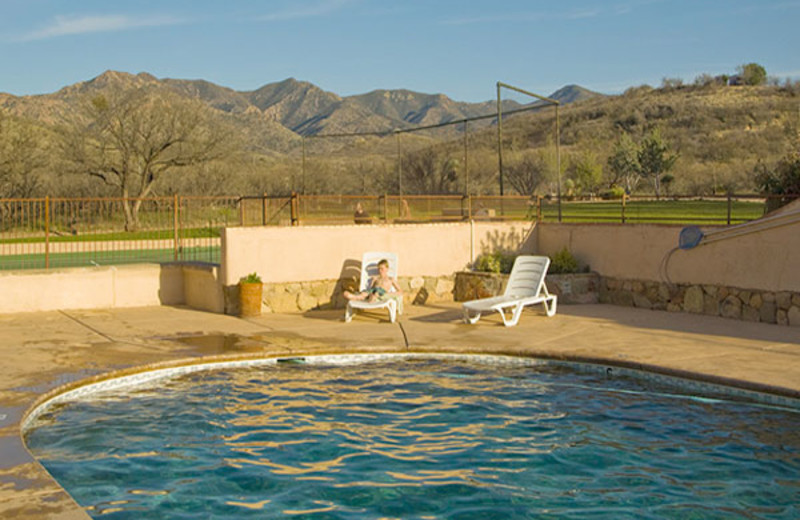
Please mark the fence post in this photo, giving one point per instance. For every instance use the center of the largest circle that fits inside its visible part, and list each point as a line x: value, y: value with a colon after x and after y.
x: 264, y: 208
x: 538, y: 208
x: 47, y: 232
x: 175, y: 227
x: 294, y: 209
x: 730, y: 207
x: 385, y: 208
x: 624, y: 198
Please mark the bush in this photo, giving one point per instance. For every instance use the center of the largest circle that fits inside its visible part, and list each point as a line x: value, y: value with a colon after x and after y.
x: 251, y: 278
x: 781, y: 184
x: 614, y: 192
x: 563, y: 263
x: 495, y: 262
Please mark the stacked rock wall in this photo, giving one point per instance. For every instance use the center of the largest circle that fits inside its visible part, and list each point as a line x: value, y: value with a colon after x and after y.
x: 781, y: 307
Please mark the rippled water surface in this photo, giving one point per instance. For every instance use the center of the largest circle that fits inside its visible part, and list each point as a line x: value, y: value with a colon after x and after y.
x: 420, y: 439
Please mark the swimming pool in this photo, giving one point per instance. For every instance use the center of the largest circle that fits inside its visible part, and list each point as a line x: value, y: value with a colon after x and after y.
x: 418, y: 438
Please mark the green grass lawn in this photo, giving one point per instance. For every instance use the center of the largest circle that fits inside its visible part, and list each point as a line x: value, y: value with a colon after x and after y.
x: 97, y: 258
x: 656, y: 211
x: 158, y: 234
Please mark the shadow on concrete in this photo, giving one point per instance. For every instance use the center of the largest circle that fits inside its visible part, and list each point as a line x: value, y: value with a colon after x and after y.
x: 684, y: 322
x: 437, y: 314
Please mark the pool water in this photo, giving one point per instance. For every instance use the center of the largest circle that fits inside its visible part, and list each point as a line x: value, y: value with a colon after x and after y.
x: 419, y: 439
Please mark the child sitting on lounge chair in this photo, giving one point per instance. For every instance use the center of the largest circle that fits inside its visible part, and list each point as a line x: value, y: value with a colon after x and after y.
x: 379, y: 287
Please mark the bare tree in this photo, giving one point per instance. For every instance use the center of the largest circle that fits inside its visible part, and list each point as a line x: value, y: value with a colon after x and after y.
x: 427, y: 171
x: 131, y: 140
x: 527, y: 174
x: 22, y: 158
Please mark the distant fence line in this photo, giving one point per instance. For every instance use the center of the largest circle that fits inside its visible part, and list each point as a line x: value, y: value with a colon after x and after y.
x: 49, y: 232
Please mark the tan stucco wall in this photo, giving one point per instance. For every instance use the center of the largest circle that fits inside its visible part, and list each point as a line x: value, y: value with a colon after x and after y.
x: 201, y: 287
x: 291, y: 254
x: 111, y: 286
x: 749, y: 256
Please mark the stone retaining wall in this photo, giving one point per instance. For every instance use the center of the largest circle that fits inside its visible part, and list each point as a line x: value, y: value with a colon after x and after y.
x: 570, y: 288
x: 782, y: 307
x: 327, y: 294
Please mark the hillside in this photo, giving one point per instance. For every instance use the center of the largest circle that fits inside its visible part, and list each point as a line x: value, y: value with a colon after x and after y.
x: 720, y: 134
x: 299, y: 106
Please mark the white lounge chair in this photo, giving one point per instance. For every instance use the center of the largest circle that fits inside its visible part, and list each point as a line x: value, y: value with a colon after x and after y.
x: 369, y: 269
x: 525, y: 287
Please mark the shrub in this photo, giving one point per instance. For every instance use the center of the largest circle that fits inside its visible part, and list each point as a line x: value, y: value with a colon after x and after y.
x: 563, y: 263
x: 251, y: 278
x: 781, y: 184
x: 495, y: 262
x: 614, y: 192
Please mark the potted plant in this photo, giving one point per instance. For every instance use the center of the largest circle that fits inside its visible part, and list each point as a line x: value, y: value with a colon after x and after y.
x: 250, y: 289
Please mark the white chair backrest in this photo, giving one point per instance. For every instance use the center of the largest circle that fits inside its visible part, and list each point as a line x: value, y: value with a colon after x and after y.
x: 527, y: 276
x: 369, y: 267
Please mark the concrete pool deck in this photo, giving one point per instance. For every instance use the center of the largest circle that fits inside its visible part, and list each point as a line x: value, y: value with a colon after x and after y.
x: 43, y: 351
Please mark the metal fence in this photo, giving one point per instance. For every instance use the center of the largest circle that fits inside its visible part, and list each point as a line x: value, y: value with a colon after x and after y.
x: 342, y: 209
x: 59, y: 232
x: 53, y: 232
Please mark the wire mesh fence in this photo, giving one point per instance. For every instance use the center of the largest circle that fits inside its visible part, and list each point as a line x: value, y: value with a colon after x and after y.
x: 54, y: 232
x: 51, y: 233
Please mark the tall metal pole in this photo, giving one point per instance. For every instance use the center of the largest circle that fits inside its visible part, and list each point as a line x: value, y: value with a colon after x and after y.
x: 466, y: 159
x: 499, y: 138
x: 303, y: 168
x: 399, y: 165
x: 558, y: 163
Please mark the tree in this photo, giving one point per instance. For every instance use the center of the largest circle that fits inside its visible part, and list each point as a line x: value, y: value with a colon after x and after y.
x: 654, y: 159
x: 131, y: 140
x: 624, y: 163
x: 428, y: 172
x: 22, y: 158
x: 585, y: 172
x: 781, y: 184
x: 527, y: 174
x: 752, y: 74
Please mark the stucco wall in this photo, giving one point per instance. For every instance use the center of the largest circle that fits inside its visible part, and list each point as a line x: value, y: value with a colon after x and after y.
x: 752, y: 256
x: 111, y: 286
x: 292, y: 254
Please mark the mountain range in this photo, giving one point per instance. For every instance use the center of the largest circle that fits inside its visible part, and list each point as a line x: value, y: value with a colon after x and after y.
x: 283, y: 110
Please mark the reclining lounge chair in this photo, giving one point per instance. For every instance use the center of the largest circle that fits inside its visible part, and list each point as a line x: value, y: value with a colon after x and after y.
x: 525, y: 287
x: 369, y: 268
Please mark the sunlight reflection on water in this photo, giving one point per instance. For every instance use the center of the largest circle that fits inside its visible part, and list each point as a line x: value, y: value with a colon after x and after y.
x: 417, y: 439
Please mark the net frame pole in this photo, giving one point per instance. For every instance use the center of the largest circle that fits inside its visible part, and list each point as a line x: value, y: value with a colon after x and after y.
x: 500, y: 138
x: 554, y: 102
x: 303, y: 165
x: 399, y: 164
x: 466, y: 158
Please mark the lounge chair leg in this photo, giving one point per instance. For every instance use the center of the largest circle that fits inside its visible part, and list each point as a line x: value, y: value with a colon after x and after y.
x: 471, y: 319
x: 516, y: 312
x: 550, y: 310
x: 348, y: 314
x: 392, y: 311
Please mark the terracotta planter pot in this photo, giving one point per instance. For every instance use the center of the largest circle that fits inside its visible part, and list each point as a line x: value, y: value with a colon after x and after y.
x: 250, y: 299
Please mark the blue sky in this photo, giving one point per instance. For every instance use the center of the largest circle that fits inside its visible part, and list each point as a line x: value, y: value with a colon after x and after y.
x: 460, y: 48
